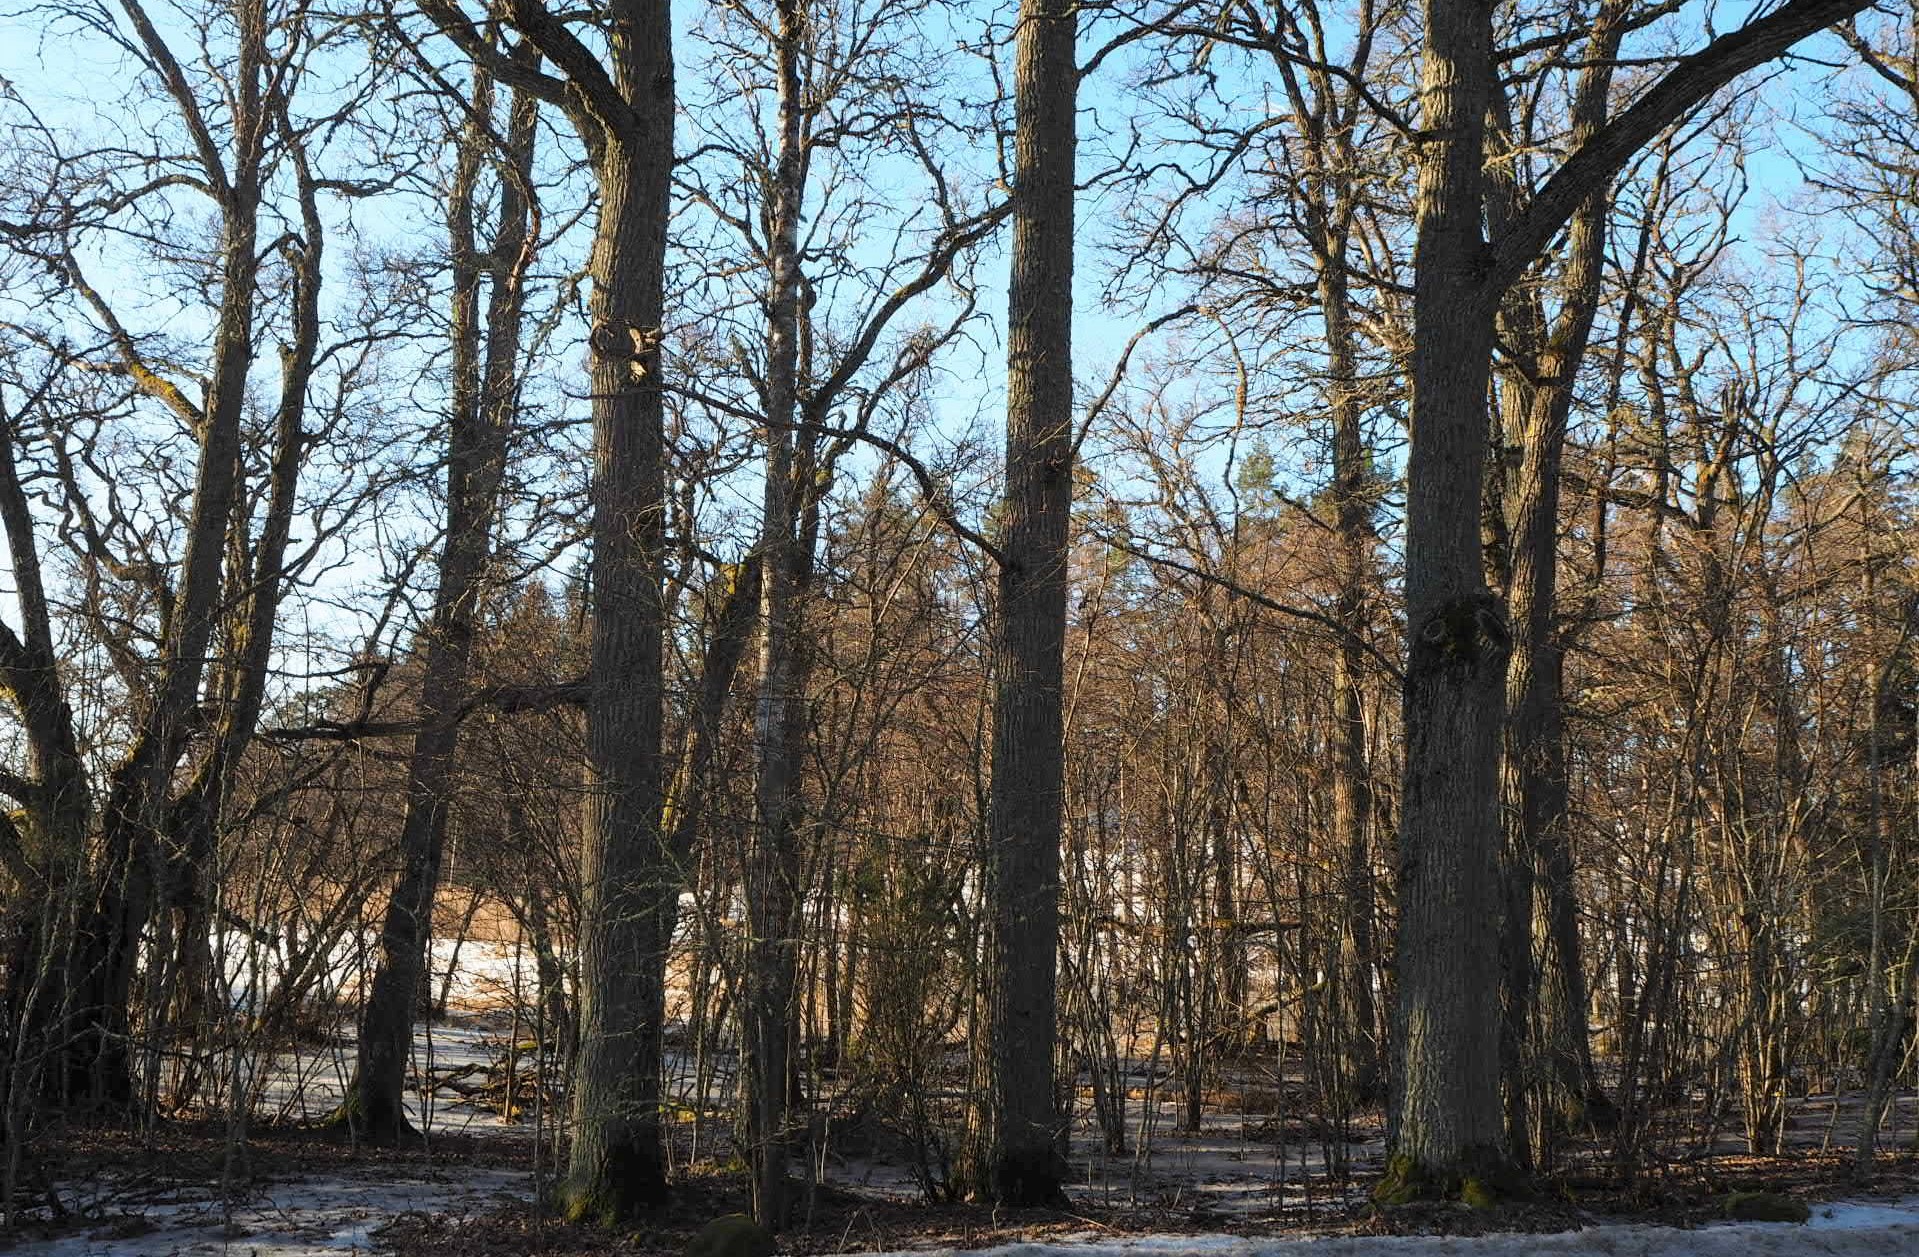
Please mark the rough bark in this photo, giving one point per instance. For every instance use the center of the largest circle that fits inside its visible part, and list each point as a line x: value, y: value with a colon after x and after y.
x: 1026, y: 1161
x: 1445, y: 1116
x: 1445, y: 1110
x: 617, y: 1164
x: 622, y: 108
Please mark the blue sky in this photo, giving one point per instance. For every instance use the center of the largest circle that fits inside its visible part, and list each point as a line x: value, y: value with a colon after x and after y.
x: 79, y: 84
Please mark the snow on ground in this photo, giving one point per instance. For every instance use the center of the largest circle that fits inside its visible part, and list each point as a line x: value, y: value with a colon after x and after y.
x: 320, y: 1216
x: 1243, y: 1161
x: 331, y: 1215
x: 307, y: 1085
x: 1859, y: 1215
x: 483, y: 981
x: 1837, y: 1230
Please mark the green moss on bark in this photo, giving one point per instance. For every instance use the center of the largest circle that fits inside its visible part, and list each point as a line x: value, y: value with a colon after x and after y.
x: 360, y: 1119
x: 1485, y: 1178
x: 629, y: 1184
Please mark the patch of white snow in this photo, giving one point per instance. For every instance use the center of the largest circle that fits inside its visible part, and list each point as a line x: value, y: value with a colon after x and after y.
x: 1841, y: 1229
x: 313, y: 1217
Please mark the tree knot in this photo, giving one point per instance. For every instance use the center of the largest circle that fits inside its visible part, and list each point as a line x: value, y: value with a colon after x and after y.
x: 616, y: 341
x: 1468, y: 630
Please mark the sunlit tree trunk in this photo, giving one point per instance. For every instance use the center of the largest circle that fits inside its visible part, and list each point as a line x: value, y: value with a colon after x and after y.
x: 775, y: 864
x: 1445, y: 1120
x: 617, y: 1163
x: 1026, y: 1160
x: 1446, y: 1115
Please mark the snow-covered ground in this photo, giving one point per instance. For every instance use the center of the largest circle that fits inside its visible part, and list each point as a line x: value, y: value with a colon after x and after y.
x: 483, y: 982
x: 307, y: 1085
x: 1836, y: 1230
x: 322, y: 1216
x: 334, y: 1214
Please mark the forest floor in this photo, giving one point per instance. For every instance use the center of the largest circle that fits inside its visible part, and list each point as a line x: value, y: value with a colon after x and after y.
x: 297, y: 1190
x: 1254, y: 1174
x: 303, y: 1193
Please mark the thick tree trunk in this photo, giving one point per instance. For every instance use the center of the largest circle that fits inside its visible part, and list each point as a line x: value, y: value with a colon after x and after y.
x: 617, y: 1164
x: 1445, y: 1121
x: 1026, y: 1160
x: 1446, y: 1115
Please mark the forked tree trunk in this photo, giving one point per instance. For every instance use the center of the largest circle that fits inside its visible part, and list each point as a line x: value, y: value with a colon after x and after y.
x: 139, y: 791
x: 1445, y: 1118
x: 195, y: 821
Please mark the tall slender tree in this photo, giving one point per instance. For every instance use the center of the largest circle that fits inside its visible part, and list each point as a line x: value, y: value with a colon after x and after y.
x: 1026, y: 1160
x: 795, y: 188
x: 780, y: 709
x: 485, y: 374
